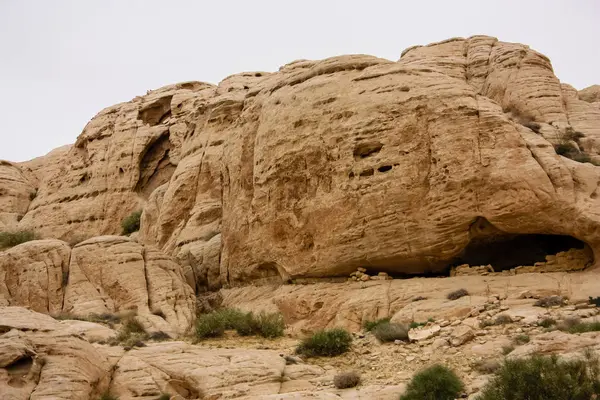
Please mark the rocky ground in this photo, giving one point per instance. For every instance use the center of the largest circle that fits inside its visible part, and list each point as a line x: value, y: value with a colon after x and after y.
x: 45, y: 358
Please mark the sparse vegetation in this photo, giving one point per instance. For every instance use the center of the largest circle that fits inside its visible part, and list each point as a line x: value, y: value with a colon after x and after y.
x: 388, y: 332
x: 214, y: 324
x: 370, y: 325
x: 329, y: 343
x: 346, y: 380
x: 503, y: 319
x: 521, y: 339
x: 131, y: 334
x: 416, y: 324
x: 11, y: 239
x: 568, y: 146
x: 487, y: 366
x: 547, y: 322
x: 506, y: 350
x: 581, y: 327
x: 107, y: 396
x: 164, y: 396
x: 457, y: 294
x: 434, y: 383
x: 595, y: 301
x: 159, y: 336
x: 550, y: 301
x: 545, y: 378
x: 131, y: 223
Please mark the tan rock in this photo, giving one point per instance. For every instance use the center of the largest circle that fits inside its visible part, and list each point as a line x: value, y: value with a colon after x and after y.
x: 423, y: 333
x: 461, y: 335
x: 34, y: 274
x: 112, y: 274
x: 46, y: 362
x: 17, y: 189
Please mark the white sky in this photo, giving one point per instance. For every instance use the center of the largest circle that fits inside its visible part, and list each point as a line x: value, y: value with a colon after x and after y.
x: 62, y: 61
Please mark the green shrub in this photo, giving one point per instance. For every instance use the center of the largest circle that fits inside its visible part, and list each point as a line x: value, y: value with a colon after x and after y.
x: 346, y: 380
x: 583, y: 327
x: 131, y: 223
x: 370, y: 325
x: 506, y: 350
x: 416, y: 324
x: 521, y: 339
x: 545, y: 378
x: 107, y: 396
x: 215, y: 324
x: 159, y: 336
x: 547, y: 322
x: 11, y: 239
x: 457, y: 294
x: 210, y: 325
x: 268, y: 325
x: 332, y: 342
x: 434, y: 383
x: 388, y: 332
x: 503, y: 319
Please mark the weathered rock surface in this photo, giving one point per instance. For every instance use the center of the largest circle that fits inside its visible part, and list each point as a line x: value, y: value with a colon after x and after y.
x: 34, y: 275
x: 326, y: 166
x: 106, y: 274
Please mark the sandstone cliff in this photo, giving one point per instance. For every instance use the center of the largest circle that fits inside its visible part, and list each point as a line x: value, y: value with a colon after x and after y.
x: 325, y: 166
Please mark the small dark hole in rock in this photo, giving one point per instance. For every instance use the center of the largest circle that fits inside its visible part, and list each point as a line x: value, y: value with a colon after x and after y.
x: 384, y: 168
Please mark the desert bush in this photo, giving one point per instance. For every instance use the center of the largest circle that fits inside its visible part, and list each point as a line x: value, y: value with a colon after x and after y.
x: 214, y: 324
x: 268, y: 325
x: 346, y: 380
x: 107, y: 396
x: 521, y: 339
x: 457, y: 294
x: 595, y: 301
x: 370, y: 325
x: 159, y: 336
x: 547, y: 322
x: 581, y: 327
x: 550, y: 301
x: 210, y: 325
x: 565, y: 148
x: 487, y: 366
x: 132, y: 325
x: 503, y: 319
x: 12, y: 239
x: 164, y: 396
x: 131, y: 223
x: 332, y: 342
x: 572, y: 134
x: 506, y: 350
x: 388, y: 332
x: 434, y: 383
x: 545, y: 378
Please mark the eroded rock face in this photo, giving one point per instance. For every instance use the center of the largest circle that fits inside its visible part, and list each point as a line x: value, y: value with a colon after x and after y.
x: 35, y: 274
x: 107, y: 274
x: 326, y: 166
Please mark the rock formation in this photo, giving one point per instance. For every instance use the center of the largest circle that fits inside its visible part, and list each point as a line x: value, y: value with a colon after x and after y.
x: 326, y: 166
x: 467, y: 155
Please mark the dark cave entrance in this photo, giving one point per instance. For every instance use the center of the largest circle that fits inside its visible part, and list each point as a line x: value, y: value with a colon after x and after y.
x: 507, y: 251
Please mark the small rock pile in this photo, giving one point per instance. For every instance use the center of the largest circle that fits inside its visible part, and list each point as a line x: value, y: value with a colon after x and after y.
x: 361, y: 275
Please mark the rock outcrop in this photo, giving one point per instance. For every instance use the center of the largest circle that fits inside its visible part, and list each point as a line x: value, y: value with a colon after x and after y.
x: 327, y: 166
x: 103, y: 275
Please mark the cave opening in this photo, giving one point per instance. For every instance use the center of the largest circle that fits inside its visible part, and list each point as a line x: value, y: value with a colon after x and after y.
x: 508, y: 251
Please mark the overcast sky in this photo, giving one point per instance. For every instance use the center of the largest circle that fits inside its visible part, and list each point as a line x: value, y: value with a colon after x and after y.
x: 62, y: 61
